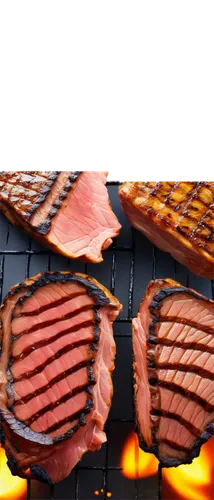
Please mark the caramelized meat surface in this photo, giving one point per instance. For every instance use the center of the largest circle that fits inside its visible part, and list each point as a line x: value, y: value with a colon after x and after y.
x: 178, y: 217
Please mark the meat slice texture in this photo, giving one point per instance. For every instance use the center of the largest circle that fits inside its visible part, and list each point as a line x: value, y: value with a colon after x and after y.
x: 173, y: 346
x: 57, y: 355
x: 69, y: 212
x: 178, y: 217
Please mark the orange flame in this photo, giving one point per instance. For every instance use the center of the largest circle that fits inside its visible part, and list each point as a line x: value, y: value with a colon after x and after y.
x: 11, y: 487
x: 188, y: 482
x: 193, y: 481
x: 135, y: 462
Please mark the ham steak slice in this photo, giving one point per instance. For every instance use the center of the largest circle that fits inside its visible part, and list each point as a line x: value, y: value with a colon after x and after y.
x: 69, y: 212
x: 178, y: 217
x: 57, y: 355
x: 173, y: 344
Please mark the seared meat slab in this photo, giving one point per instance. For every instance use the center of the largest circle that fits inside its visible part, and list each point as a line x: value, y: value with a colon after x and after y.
x: 173, y: 343
x: 69, y: 212
x: 55, y: 372
x: 178, y: 217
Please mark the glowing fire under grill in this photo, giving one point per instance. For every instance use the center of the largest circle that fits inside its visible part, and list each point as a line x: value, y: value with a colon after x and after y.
x: 186, y: 482
x: 11, y: 487
x: 135, y: 463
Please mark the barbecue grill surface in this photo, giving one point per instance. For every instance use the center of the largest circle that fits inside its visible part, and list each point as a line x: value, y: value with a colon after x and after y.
x: 128, y: 266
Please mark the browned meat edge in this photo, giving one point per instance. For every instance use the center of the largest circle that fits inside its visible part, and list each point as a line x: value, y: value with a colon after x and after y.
x: 45, y: 191
x: 44, y: 228
x: 152, y: 341
x: 22, y: 428
x: 36, y: 472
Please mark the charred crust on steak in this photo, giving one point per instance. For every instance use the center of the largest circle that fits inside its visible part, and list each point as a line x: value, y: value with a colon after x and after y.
x: 40, y: 196
x: 45, y: 191
x: 180, y: 213
x: 154, y: 384
x: 166, y: 292
x: 51, y: 277
x: 9, y: 388
x: 13, y: 466
x: 91, y: 376
x: 38, y: 473
x: 26, y: 183
x: 44, y: 228
x: 22, y: 428
x: 2, y: 434
x: 174, y: 462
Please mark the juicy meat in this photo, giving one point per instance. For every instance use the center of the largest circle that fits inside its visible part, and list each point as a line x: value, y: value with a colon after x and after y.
x: 173, y: 343
x: 55, y: 372
x: 69, y: 212
x: 178, y: 217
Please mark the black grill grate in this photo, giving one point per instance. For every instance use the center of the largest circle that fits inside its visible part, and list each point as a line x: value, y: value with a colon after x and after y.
x: 128, y: 266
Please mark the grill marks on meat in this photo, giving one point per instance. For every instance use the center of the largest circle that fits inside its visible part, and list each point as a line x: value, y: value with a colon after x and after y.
x: 57, y: 355
x: 41, y: 357
x: 173, y: 343
x: 26, y: 191
x: 68, y: 345
x: 69, y: 212
x: 178, y: 217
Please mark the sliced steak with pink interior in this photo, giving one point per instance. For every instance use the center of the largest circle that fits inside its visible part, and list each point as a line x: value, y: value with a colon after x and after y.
x: 173, y: 344
x: 55, y: 372
x: 69, y: 212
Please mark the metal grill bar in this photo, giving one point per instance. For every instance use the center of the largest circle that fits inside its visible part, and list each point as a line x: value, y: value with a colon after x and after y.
x: 123, y: 320
x: 159, y: 482
x: 2, y: 265
x: 52, y: 492
x: 77, y: 484
x: 47, y: 252
x: 49, y: 263
x: 154, y: 264
x: 131, y: 276
x: 113, y: 273
x: 28, y: 489
x: 106, y: 469
x: 1, y: 277
x: 27, y: 270
x: 130, y: 308
x: 97, y: 467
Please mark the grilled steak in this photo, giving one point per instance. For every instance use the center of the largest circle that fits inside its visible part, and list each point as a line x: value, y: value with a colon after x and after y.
x: 69, y: 212
x: 178, y: 217
x: 173, y: 348
x: 55, y: 372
